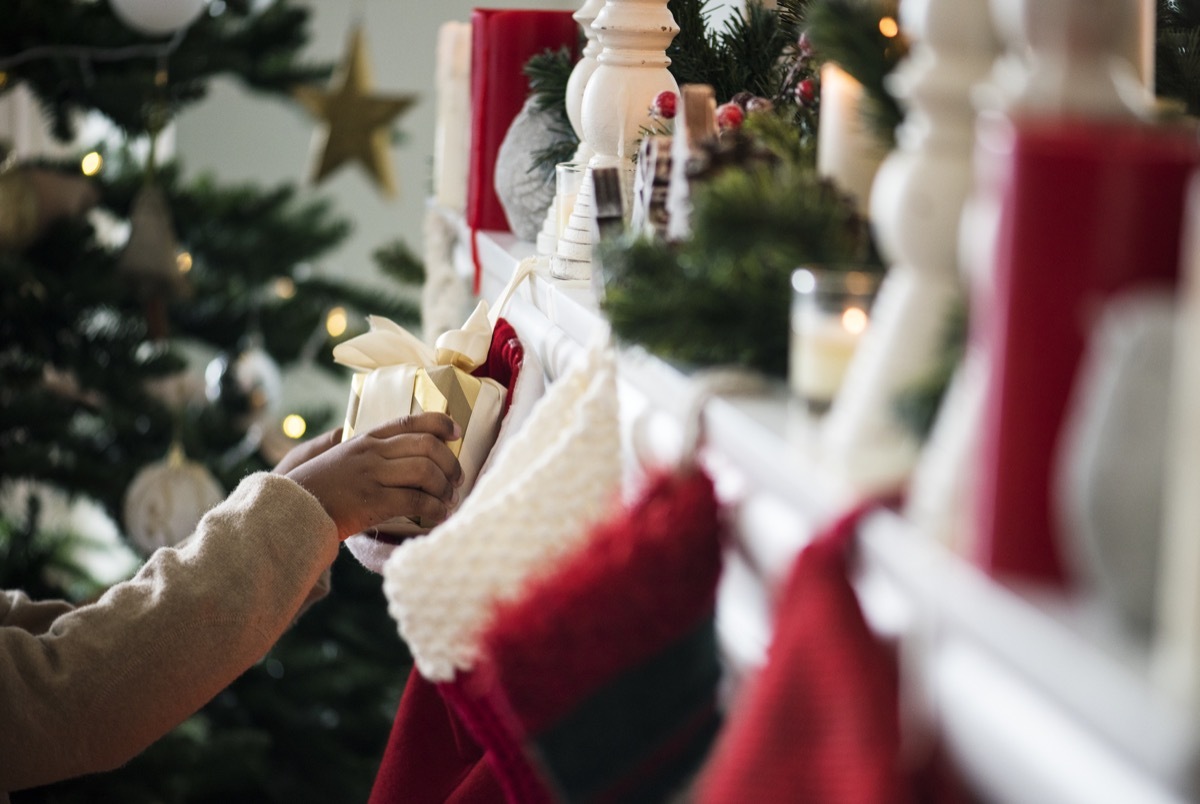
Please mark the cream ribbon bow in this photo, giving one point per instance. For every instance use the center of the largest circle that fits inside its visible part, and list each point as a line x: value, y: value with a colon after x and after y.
x: 389, y: 344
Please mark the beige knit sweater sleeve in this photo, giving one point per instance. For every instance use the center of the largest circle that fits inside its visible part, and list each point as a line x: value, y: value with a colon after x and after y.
x: 84, y: 690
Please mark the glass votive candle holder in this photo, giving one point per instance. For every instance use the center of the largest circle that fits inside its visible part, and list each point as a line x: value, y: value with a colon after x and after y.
x: 831, y: 310
x: 568, y: 178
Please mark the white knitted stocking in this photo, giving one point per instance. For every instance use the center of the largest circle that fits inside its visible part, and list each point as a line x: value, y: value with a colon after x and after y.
x: 547, y: 484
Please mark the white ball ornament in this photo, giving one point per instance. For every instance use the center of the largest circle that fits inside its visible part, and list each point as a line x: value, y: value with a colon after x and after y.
x: 157, y: 17
x: 167, y: 499
x: 246, y: 385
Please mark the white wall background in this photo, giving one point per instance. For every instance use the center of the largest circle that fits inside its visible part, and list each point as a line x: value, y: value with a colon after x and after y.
x: 240, y: 136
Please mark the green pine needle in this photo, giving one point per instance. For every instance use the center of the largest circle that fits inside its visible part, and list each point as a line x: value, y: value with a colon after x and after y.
x: 723, y: 296
x: 397, y: 260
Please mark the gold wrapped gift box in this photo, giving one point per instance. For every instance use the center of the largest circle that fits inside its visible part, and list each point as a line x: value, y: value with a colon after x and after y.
x: 399, y: 376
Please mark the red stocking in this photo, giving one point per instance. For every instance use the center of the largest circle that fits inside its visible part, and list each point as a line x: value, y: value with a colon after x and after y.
x: 599, y: 683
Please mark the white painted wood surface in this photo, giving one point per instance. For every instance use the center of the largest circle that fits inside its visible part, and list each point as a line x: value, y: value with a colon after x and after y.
x: 1042, y: 697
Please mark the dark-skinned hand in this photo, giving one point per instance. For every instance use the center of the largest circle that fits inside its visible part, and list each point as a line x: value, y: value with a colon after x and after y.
x: 401, y: 468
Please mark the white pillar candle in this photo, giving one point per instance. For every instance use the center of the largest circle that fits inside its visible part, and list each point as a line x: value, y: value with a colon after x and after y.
x: 452, y: 123
x: 830, y: 313
x: 847, y: 152
x: 821, y: 352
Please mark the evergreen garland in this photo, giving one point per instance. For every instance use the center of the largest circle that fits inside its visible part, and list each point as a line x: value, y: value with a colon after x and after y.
x: 756, y: 51
x: 723, y: 296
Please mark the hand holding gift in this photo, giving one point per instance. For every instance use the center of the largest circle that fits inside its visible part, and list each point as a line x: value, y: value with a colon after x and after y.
x: 399, y: 375
x: 403, y: 465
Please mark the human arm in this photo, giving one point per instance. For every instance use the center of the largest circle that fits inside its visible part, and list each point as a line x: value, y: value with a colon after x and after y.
x: 91, y: 689
x: 107, y: 679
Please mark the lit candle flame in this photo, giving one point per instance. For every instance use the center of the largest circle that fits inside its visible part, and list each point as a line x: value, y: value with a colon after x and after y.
x: 854, y: 320
x: 335, y: 322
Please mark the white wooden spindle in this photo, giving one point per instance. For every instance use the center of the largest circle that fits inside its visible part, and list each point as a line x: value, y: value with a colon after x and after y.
x: 631, y: 70
x: 582, y: 71
x: 916, y: 202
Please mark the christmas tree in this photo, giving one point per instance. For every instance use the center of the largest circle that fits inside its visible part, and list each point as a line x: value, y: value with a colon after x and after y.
x: 100, y: 376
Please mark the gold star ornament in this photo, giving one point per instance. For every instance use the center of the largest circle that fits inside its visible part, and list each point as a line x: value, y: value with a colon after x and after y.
x: 355, y: 122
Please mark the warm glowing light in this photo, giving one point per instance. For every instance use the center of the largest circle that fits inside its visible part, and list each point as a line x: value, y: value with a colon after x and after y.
x: 854, y: 320
x: 91, y: 164
x: 294, y: 425
x: 888, y: 27
x: 285, y: 288
x: 183, y: 262
x: 335, y: 322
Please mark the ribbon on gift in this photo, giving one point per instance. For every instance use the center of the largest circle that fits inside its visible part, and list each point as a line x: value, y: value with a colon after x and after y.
x: 443, y: 381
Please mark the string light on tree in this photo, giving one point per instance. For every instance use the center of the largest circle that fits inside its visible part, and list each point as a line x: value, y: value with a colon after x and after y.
x: 284, y: 287
x: 294, y: 426
x: 91, y: 164
x: 336, y: 322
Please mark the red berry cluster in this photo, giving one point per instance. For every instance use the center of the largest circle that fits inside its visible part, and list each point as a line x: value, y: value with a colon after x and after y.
x: 806, y: 92
x: 665, y: 105
x: 729, y: 116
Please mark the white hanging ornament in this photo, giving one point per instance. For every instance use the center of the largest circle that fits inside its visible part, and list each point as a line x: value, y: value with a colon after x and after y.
x: 150, y: 256
x: 247, y: 385
x: 157, y: 17
x: 167, y: 499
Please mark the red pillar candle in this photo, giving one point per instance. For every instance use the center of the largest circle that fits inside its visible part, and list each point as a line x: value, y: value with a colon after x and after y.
x: 502, y: 41
x: 1088, y: 210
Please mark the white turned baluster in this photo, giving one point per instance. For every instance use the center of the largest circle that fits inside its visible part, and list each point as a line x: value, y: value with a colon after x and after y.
x: 1075, y: 57
x: 631, y: 71
x: 585, y: 16
x: 916, y: 202
x: 1046, y: 41
x: 582, y: 73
